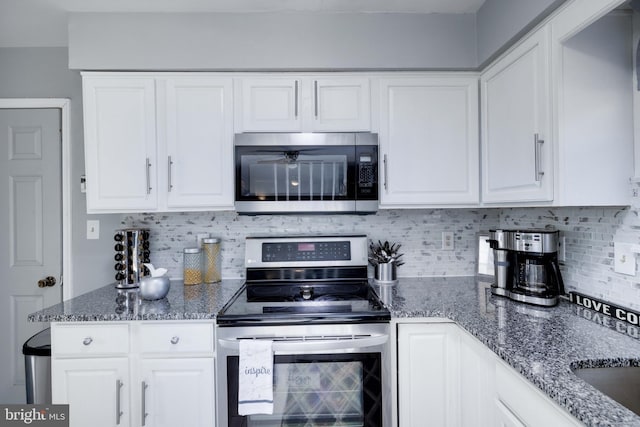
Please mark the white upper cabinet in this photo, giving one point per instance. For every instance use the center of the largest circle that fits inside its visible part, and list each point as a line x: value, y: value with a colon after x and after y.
x: 120, y: 143
x: 199, y: 153
x: 592, y: 69
x: 517, y: 149
x: 341, y: 103
x: 304, y: 104
x: 158, y: 142
x: 271, y: 105
x: 429, y: 141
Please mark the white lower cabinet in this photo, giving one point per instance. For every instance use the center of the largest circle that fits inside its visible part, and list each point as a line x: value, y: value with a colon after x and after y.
x: 152, y: 374
x: 446, y: 377
x: 176, y: 392
x: 504, y: 417
x: 525, y: 402
x: 97, y: 390
x: 427, y: 374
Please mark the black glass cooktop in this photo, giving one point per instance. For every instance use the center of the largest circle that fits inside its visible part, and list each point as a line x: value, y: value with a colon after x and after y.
x: 277, y: 303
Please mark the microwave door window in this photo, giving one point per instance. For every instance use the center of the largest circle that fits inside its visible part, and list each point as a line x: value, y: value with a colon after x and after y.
x: 307, y: 177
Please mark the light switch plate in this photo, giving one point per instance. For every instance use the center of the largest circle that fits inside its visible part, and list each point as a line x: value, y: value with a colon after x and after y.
x: 93, y: 229
x: 624, y: 259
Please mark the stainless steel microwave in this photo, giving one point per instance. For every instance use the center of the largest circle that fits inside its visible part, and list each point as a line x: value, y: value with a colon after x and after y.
x: 278, y: 173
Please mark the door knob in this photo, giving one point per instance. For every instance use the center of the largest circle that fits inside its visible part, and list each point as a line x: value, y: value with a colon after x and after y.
x: 47, y: 282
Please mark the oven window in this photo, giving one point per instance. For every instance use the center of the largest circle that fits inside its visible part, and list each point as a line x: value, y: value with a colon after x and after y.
x: 317, y: 390
x: 294, y: 173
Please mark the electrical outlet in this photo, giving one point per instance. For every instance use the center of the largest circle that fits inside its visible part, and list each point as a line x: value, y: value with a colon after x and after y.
x: 93, y: 229
x: 624, y: 259
x: 447, y: 240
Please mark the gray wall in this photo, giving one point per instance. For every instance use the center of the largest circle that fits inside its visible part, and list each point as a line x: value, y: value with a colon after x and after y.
x: 498, y: 22
x: 44, y: 73
x: 268, y: 41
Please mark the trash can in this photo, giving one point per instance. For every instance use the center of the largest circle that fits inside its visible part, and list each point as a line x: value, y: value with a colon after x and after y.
x: 37, y: 367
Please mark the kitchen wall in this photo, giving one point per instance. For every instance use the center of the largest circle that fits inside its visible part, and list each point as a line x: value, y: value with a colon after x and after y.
x: 272, y: 41
x: 44, y: 73
x: 303, y: 40
x: 419, y: 232
x: 500, y: 21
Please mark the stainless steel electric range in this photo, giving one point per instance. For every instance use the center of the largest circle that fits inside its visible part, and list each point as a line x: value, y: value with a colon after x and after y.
x: 311, y: 297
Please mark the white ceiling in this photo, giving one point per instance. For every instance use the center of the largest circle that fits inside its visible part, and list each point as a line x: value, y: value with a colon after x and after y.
x: 28, y: 23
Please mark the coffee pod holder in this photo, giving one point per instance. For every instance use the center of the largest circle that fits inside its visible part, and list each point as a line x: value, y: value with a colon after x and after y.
x: 131, y: 253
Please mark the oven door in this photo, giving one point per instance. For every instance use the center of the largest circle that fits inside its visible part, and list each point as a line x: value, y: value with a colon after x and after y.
x: 328, y: 379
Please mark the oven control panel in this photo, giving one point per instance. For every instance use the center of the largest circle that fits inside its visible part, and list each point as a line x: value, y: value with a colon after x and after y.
x: 306, y: 251
x: 302, y: 251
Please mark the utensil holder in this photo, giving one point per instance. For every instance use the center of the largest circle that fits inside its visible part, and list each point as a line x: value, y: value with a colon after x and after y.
x: 386, y: 272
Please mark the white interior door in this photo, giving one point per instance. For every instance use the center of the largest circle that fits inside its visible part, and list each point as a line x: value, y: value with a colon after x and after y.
x: 31, y: 226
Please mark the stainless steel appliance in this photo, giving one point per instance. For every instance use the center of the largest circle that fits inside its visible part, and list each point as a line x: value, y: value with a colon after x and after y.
x: 526, y: 266
x: 311, y: 297
x: 306, y: 172
x: 131, y: 252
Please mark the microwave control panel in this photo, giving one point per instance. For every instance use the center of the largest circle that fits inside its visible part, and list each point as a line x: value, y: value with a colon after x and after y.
x: 367, y: 170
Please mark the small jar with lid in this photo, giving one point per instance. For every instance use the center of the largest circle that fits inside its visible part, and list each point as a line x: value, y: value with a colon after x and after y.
x: 192, y: 266
x: 211, y: 260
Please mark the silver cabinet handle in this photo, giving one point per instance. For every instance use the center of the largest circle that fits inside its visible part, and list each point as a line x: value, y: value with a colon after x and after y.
x: 119, y: 413
x: 144, y: 413
x: 315, y: 97
x: 87, y: 341
x: 295, y: 94
x: 538, y: 155
x: 169, y: 167
x: 384, y: 161
x: 174, y: 340
x: 148, y: 166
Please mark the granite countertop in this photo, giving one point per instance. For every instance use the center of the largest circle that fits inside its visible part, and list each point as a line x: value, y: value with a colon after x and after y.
x: 110, y: 304
x: 540, y: 343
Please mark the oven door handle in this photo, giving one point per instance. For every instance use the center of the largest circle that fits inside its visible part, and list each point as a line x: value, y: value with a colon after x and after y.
x: 314, y: 344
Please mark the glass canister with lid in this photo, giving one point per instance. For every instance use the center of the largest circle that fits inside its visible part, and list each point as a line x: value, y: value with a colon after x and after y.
x: 192, y: 266
x: 211, y: 260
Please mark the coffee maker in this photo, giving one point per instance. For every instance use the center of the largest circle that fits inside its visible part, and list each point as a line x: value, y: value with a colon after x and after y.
x: 526, y: 266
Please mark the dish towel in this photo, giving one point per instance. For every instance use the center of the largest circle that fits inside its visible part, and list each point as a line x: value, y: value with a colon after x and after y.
x: 255, y: 382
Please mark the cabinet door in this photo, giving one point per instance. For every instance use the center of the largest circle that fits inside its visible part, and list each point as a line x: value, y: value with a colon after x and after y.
x: 505, y: 417
x: 428, y: 375
x: 526, y: 402
x: 120, y: 144
x: 477, y: 373
x: 97, y: 390
x: 177, y: 392
x: 516, y: 137
x: 429, y: 141
x: 341, y: 104
x: 271, y: 105
x: 199, y: 143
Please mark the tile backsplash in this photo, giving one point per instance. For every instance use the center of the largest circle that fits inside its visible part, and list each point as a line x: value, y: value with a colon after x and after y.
x: 590, y: 234
x: 419, y: 232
